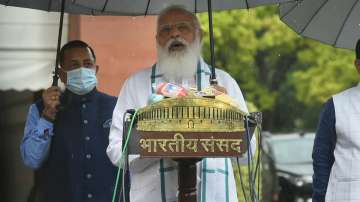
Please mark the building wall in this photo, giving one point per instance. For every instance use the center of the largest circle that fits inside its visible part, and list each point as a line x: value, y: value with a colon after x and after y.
x: 123, y: 45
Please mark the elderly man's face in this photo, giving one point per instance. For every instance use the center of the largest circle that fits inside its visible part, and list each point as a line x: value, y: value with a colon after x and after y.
x: 175, y: 24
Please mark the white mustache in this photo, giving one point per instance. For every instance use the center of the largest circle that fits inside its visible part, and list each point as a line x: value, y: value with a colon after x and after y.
x: 177, y: 65
x: 176, y: 40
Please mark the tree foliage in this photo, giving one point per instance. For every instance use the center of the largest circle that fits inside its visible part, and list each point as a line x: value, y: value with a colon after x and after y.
x: 286, y: 76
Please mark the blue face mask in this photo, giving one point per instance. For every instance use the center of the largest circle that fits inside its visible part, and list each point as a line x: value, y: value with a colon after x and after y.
x: 81, y: 80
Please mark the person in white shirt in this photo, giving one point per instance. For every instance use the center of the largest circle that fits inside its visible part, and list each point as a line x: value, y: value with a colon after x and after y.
x: 179, y: 61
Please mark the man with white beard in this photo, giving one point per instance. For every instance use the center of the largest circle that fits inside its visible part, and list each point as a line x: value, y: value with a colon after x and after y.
x: 179, y: 61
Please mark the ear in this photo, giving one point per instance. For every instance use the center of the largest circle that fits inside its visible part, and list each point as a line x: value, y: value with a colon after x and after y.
x: 62, y: 75
x: 357, y: 65
x: 157, y: 38
x: 96, y: 68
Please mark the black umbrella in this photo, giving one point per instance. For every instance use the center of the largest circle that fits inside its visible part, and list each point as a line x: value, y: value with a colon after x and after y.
x: 154, y: 7
x: 332, y: 22
x: 132, y: 8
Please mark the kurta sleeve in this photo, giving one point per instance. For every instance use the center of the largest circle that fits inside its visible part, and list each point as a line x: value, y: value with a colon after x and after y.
x: 35, y: 145
x: 124, y: 102
x: 133, y: 95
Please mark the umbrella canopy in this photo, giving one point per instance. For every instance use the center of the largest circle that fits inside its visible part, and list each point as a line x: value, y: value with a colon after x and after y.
x: 153, y: 7
x: 131, y: 8
x: 53, y: 5
x: 333, y: 22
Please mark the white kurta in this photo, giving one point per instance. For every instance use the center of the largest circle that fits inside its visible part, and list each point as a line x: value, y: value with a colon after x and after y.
x: 155, y: 180
x: 344, y: 179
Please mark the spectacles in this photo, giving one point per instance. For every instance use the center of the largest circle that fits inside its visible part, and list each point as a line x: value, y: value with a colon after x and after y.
x: 183, y: 27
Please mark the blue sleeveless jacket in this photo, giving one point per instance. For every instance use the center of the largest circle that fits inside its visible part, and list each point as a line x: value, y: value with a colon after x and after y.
x: 77, y: 168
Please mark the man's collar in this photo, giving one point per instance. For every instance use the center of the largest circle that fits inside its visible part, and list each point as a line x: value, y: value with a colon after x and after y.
x: 71, y: 97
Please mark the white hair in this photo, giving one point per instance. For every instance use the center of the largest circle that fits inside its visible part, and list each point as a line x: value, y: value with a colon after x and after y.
x: 194, y: 18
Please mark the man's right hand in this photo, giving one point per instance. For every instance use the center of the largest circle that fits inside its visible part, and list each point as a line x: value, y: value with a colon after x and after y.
x: 51, y: 99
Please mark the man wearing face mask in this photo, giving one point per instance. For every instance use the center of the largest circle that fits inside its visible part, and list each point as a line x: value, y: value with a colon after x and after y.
x: 66, y: 134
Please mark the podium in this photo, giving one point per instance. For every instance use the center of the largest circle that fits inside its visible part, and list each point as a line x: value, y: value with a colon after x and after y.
x: 188, y: 129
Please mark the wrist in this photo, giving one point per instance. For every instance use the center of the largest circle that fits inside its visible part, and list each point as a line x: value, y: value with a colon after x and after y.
x: 45, y: 115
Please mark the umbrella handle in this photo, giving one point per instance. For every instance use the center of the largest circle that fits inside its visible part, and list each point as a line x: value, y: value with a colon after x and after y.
x: 213, y: 80
x: 56, y: 71
x: 55, y: 79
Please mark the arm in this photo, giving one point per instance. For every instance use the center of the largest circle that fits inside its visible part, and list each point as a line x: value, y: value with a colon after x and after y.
x: 39, y: 130
x: 35, y: 145
x: 132, y: 96
x: 323, y: 151
x: 116, y: 131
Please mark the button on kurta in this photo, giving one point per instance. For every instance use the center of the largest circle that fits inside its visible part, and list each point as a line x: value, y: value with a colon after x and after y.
x: 83, y: 106
x: 85, y: 121
x: 89, y: 195
x: 87, y: 138
x: 88, y: 156
x: 88, y: 176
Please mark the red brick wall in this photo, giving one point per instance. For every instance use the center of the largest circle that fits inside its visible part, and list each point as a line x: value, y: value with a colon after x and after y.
x: 122, y: 45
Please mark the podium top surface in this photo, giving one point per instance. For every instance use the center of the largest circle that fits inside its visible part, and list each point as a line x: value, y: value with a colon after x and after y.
x: 191, y: 114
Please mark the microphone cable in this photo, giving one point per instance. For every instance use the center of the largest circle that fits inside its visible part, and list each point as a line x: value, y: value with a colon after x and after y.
x: 241, y: 179
x: 122, y: 164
